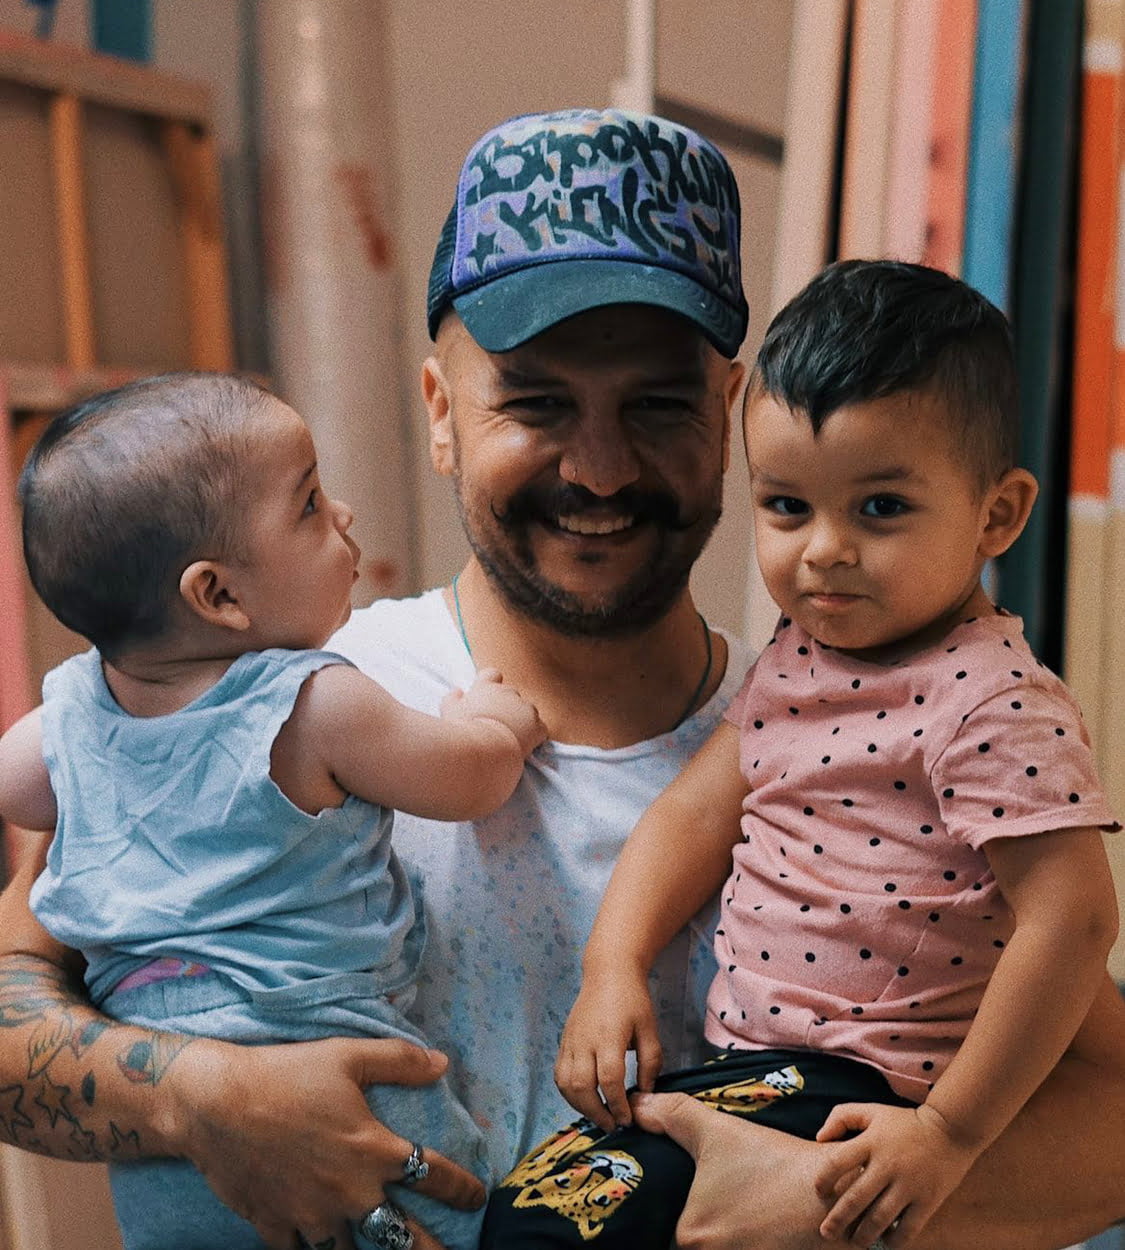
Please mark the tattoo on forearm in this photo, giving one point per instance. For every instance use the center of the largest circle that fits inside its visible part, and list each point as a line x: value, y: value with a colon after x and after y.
x: 144, y: 1063
x: 43, y: 1112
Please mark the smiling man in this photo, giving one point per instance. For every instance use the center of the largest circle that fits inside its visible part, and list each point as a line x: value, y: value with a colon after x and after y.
x: 586, y: 307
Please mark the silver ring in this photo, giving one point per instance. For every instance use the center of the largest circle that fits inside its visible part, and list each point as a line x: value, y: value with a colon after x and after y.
x: 415, y: 1168
x: 385, y: 1227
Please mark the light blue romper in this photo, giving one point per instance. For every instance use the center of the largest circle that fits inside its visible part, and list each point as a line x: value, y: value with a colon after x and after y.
x: 173, y: 841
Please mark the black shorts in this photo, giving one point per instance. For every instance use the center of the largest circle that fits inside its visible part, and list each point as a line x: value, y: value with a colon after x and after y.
x: 625, y: 1189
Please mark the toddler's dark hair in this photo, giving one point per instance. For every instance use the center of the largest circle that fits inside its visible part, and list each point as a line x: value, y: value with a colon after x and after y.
x: 862, y: 330
x: 125, y: 490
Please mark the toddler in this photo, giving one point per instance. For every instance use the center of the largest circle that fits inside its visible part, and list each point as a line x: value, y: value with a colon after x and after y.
x: 920, y: 908
x: 221, y: 788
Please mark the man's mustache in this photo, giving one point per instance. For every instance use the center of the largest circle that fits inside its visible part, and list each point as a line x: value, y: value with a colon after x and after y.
x: 539, y: 503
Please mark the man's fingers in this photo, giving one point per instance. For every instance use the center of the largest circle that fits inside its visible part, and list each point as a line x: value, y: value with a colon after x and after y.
x: 448, y: 1182
x: 389, y: 1061
x: 682, y: 1118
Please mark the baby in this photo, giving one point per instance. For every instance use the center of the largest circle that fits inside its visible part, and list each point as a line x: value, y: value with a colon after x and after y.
x: 920, y: 907
x: 221, y: 789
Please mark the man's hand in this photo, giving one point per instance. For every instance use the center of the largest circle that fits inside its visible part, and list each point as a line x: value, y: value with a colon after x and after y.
x: 892, y: 1177
x: 754, y: 1186
x: 285, y: 1138
x: 611, y: 1015
x: 488, y: 698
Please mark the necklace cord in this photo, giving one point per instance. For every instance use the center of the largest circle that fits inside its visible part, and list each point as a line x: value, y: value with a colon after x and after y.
x: 700, y: 685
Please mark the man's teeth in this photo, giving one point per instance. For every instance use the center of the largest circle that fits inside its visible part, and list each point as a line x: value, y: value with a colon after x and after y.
x: 587, y: 525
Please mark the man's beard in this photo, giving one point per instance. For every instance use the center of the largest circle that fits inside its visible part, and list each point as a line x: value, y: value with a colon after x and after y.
x: 644, y: 599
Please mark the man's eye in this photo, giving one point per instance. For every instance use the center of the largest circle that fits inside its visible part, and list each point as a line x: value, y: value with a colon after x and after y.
x: 883, y: 506
x: 312, y: 504
x: 786, y: 505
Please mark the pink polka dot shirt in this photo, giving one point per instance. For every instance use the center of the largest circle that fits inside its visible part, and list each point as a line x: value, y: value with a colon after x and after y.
x: 861, y: 916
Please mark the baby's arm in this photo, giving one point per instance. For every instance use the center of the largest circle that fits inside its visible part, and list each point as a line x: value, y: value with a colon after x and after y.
x: 459, y: 766
x: 26, y: 797
x: 673, y: 862
x: 1059, y: 887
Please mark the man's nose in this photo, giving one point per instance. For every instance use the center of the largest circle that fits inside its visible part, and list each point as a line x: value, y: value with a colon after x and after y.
x: 599, y: 456
x: 829, y: 542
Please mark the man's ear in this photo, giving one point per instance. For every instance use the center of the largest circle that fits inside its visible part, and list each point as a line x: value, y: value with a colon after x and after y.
x: 735, y: 378
x: 439, y: 406
x: 208, y: 590
x: 1008, y: 505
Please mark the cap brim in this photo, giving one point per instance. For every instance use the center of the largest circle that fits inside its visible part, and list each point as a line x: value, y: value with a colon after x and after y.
x: 516, y: 307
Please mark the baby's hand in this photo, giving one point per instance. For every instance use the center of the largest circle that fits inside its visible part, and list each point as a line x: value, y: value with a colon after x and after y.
x: 489, y: 699
x: 893, y: 1176
x: 611, y: 1015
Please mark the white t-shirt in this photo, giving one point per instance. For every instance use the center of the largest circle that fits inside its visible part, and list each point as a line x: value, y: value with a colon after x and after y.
x: 510, y: 900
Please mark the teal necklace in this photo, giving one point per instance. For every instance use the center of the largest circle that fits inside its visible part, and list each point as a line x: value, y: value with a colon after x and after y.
x: 701, y: 685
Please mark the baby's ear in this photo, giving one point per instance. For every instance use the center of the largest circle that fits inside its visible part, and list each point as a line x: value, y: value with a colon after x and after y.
x: 208, y: 590
x: 1007, y: 506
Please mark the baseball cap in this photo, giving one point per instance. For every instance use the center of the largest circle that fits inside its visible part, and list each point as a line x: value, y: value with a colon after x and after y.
x: 558, y: 213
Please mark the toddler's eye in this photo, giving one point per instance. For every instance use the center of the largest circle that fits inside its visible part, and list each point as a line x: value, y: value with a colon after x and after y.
x: 786, y: 505
x: 883, y: 506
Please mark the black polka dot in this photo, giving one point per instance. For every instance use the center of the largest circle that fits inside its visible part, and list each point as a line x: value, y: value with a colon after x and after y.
x: 809, y: 811
x: 872, y: 748
x: 782, y: 850
x: 873, y: 841
x: 846, y: 908
x: 783, y: 676
x: 794, y: 711
x: 802, y: 650
x: 758, y: 724
x: 949, y: 874
x: 1060, y: 732
x: 848, y: 802
x: 824, y: 759
x: 731, y: 967
x: 917, y: 733
x: 914, y: 1004
x: 919, y: 699
x: 765, y: 954
x: 1073, y: 797
x: 928, y: 1065
x: 810, y: 958
x: 786, y: 622
x: 806, y: 907
x: 925, y: 828
x: 935, y: 916
x: 836, y: 730
x: 960, y: 674
x: 947, y: 793
x: 1016, y: 704
x: 855, y: 684
x: 1031, y: 770
x: 880, y: 715
x: 904, y: 971
x: 903, y: 904
x: 900, y: 785
x: 1016, y: 672
x: 818, y: 849
x: 956, y: 961
x: 865, y: 953
x: 722, y: 1015
x: 950, y: 650
x: 983, y: 747
x: 977, y: 885
x: 998, y: 944
x: 894, y: 1037
x: 890, y: 887
x: 775, y: 1011
x: 720, y: 932
x: 998, y: 812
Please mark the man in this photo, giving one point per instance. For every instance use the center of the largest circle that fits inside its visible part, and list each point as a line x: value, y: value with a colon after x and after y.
x: 586, y: 306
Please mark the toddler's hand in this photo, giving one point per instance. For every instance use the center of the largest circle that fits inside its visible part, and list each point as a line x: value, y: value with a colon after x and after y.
x: 611, y: 1015
x: 488, y: 698
x: 893, y: 1176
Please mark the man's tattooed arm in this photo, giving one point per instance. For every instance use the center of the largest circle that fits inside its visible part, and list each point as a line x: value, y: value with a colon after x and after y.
x: 58, y: 1057
x: 73, y: 1083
